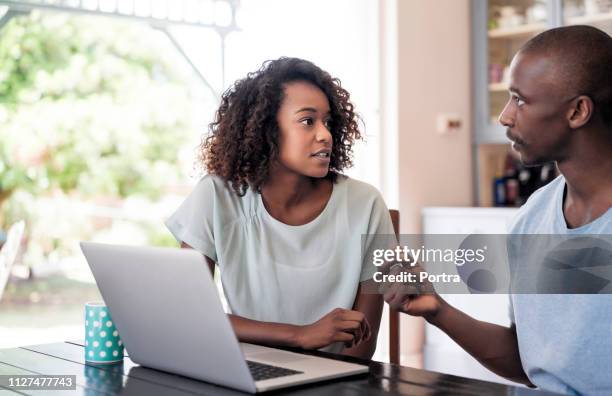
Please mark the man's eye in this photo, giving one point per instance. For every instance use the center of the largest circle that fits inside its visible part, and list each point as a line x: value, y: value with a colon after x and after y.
x: 307, y: 121
x: 519, y: 101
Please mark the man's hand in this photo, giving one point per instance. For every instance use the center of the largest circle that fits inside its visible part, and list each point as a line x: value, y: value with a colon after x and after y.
x: 425, y: 305
x: 340, y: 325
x: 496, y: 347
x: 413, y: 298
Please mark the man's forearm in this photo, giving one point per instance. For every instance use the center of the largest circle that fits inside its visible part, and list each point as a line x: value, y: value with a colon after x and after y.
x: 494, y: 346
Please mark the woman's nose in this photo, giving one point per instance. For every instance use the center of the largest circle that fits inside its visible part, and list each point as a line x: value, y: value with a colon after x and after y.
x: 323, y: 134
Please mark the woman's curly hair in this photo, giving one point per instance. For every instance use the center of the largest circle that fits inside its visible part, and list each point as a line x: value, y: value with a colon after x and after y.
x: 242, y: 143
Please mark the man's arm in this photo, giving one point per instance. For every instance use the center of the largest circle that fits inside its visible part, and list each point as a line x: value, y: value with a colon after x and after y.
x: 494, y: 346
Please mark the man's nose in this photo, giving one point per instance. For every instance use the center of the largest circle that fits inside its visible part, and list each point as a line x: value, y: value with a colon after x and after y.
x: 506, y: 117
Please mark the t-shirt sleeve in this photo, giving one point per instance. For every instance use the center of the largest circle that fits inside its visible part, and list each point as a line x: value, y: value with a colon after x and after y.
x: 379, y: 224
x: 193, y: 222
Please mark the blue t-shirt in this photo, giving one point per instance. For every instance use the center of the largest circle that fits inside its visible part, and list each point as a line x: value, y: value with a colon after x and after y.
x: 565, y: 340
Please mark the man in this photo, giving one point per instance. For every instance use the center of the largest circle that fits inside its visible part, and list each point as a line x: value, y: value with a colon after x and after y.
x: 560, y: 110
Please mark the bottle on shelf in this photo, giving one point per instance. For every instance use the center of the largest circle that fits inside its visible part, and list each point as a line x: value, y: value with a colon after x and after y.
x: 505, y: 182
x: 511, y: 183
x: 532, y: 178
x: 499, y: 190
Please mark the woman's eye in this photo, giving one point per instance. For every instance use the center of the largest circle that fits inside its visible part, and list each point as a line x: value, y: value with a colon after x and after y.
x: 328, y: 125
x: 307, y: 121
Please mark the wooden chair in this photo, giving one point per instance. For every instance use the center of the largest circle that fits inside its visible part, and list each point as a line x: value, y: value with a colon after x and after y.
x: 394, y: 339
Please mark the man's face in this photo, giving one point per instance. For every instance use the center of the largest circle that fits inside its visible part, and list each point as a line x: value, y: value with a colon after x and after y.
x: 536, y: 113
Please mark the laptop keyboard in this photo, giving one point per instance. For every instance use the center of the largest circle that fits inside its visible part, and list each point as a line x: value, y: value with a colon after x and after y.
x: 261, y: 371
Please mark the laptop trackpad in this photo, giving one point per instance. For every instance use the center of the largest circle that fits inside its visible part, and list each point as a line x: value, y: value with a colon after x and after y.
x: 278, y: 357
x: 270, y: 355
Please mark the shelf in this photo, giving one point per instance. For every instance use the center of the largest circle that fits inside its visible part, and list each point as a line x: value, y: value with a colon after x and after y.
x: 587, y: 19
x: 517, y: 31
x: 498, y: 87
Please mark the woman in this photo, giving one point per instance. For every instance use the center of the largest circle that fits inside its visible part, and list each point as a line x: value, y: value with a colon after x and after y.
x: 278, y: 218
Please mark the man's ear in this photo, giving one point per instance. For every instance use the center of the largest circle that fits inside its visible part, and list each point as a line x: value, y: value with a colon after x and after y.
x: 580, y: 111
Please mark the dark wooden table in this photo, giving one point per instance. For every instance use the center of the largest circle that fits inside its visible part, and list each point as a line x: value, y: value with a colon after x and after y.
x: 129, y: 378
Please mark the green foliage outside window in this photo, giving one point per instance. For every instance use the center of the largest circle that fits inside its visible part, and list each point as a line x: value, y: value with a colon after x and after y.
x: 89, y: 105
x: 91, y: 109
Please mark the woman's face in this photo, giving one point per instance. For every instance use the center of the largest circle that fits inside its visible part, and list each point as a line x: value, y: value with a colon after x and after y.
x: 305, y: 142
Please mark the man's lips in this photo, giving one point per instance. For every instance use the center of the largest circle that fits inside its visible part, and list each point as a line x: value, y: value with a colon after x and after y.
x: 515, y: 140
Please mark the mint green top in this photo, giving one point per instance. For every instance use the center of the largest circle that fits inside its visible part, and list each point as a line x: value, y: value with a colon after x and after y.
x: 274, y: 272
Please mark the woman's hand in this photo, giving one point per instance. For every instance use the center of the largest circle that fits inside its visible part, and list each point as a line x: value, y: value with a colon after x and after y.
x: 340, y: 325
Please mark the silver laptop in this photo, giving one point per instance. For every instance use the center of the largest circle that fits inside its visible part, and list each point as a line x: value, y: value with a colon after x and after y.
x: 168, y: 313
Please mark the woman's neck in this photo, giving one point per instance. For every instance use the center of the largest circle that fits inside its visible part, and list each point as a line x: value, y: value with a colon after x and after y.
x: 287, y: 189
x: 296, y: 200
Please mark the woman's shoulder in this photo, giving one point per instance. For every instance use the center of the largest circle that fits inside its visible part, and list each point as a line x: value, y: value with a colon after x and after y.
x: 358, y: 190
x: 220, y: 192
x: 216, y: 185
x: 365, y: 206
x: 209, y: 186
x: 213, y: 180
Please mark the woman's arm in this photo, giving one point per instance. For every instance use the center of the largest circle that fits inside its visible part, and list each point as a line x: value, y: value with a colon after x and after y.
x: 371, y: 305
x: 340, y: 325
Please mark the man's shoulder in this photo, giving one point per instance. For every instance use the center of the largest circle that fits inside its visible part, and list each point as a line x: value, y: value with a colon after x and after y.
x: 541, y: 205
x: 544, y: 194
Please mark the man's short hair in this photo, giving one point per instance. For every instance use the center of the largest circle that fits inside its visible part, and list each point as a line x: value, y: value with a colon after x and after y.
x: 584, y: 54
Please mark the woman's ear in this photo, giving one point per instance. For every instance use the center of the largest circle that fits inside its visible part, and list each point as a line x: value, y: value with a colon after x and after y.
x: 580, y: 111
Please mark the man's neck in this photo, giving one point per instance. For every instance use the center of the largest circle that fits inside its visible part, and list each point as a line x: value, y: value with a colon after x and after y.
x: 588, y: 174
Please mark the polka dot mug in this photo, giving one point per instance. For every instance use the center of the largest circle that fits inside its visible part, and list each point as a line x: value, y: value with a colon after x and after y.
x: 102, y: 341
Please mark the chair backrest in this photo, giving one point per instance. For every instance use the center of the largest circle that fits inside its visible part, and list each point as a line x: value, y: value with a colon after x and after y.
x: 9, y: 251
x: 394, y: 344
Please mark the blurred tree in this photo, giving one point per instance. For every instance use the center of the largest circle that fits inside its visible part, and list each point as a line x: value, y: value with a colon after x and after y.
x: 89, y: 105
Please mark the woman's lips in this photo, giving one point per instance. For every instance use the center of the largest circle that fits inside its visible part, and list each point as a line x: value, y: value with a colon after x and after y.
x: 322, y: 159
